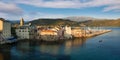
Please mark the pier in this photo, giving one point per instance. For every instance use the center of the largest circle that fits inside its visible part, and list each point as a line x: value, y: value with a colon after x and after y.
x: 87, y: 33
x: 96, y: 33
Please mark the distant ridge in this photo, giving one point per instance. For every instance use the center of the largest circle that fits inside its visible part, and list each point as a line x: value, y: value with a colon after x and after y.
x: 52, y: 22
x: 80, y: 18
x: 106, y: 22
x: 95, y: 22
x: 88, y: 21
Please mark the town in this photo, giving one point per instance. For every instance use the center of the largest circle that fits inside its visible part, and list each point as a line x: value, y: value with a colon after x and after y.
x: 43, y: 33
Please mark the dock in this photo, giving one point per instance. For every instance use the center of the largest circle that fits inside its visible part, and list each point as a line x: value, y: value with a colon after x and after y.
x: 96, y: 33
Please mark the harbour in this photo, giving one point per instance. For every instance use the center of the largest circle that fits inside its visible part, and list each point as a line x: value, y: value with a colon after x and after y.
x: 59, y: 29
x: 75, y: 49
x: 45, y: 33
x: 51, y: 38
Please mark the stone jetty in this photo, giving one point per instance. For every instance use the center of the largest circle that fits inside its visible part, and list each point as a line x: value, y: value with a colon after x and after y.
x: 96, y: 33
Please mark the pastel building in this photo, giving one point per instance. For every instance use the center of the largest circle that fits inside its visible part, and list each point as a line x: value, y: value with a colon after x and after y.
x: 47, y: 35
x: 5, y: 28
x: 67, y: 32
x: 25, y: 31
x: 77, y: 32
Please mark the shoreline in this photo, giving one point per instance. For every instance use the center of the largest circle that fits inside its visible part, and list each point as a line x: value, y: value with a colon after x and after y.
x: 96, y: 33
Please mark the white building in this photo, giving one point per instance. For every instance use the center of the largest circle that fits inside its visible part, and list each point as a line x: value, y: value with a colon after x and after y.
x: 5, y: 28
x: 26, y: 32
x: 67, y: 32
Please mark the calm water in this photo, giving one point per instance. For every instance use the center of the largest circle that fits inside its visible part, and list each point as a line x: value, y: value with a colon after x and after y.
x: 78, y: 49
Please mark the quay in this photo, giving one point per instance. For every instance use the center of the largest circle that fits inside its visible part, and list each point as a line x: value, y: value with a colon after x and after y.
x: 96, y: 33
x: 51, y: 39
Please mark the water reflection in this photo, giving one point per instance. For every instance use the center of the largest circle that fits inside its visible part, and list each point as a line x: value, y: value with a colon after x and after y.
x: 5, y: 53
x: 54, y: 49
x: 71, y: 43
x: 1, y: 56
x: 75, y: 42
x: 28, y: 50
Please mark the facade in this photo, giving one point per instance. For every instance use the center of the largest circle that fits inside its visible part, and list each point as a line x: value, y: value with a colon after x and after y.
x: 55, y: 33
x: 48, y: 32
x: 77, y: 32
x: 47, y: 35
x: 5, y: 28
x: 67, y: 32
x: 26, y: 32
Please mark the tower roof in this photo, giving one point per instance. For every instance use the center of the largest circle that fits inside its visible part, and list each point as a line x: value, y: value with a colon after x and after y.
x: 22, y: 19
x: 21, y: 22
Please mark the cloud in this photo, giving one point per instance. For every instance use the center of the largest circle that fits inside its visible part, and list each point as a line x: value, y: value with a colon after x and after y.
x: 114, y: 8
x: 9, y: 8
x: 10, y: 11
x: 77, y: 4
x: 36, y: 15
x: 32, y: 15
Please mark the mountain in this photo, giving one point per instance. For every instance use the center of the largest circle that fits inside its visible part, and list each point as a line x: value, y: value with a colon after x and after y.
x: 80, y: 18
x: 95, y: 22
x: 52, y: 22
x: 106, y: 22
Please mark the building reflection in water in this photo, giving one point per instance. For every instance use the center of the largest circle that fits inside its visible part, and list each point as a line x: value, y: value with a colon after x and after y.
x: 51, y: 49
x: 76, y: 42
x: 5, y: 53
x: 35, y: 50
x: 1, y: 56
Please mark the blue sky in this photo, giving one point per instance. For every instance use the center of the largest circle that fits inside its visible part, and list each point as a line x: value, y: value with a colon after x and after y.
x: 34, y: 9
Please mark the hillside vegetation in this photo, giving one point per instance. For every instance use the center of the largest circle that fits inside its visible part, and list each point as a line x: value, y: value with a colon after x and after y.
x: 53, y: 22
x: 110, y: 23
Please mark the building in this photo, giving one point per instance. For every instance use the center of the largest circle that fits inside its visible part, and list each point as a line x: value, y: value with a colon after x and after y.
x: 47, y: 35
x: 77, y: 32
x: 48, y: 32
x: 21, y: 22
x: 5, y: 28
x: 26, y: 32
x: 68, y: 32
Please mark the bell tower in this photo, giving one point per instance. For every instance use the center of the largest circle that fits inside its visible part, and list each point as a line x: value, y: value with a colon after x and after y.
x: 21, y: 22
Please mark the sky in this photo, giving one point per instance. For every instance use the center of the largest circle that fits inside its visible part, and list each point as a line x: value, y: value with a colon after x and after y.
x: 34, y: 9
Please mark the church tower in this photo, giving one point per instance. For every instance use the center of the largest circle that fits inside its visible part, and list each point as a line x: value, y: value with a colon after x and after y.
x: 21, y: 22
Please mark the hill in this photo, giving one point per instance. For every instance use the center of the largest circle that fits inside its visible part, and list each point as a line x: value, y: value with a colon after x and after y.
x: 110, y: 23
x: 80, y: 18
x: 49, y: 22
x: 52, y: 22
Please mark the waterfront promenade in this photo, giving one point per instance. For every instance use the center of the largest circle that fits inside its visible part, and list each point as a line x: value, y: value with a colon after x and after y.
x: 84, y: 35
x: 96, y: 33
